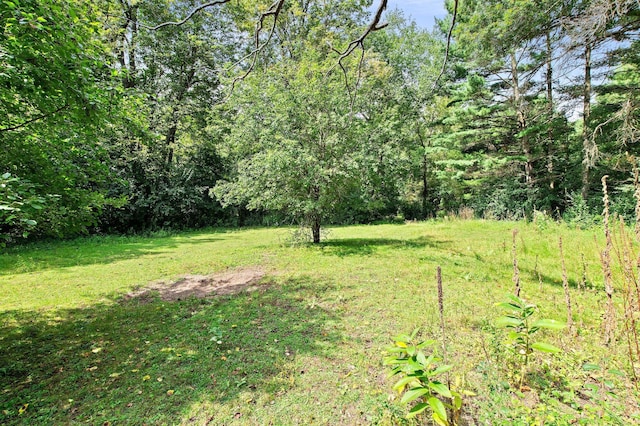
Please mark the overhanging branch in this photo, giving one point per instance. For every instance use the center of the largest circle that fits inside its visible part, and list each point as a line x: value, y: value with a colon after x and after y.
x: 189, y: 15
x: 374, y: 25
x: 274, y: 11
x: 446, y: 52
x: 26, y: 123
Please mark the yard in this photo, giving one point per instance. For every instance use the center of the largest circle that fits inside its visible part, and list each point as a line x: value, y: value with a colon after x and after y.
x: 302, y: 339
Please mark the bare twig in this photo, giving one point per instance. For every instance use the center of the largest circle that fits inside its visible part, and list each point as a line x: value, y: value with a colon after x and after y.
x: 565, y: 286
x: 446, y: 52
x: 598, y: 15
x: 441, y: 311
x: 374, y: 25
x: 605, y: 256
x: 636, y: 195
x: 516, y: 270
x: 537, y: 272
x: 189, y: 15
x: 627, y: 259
x: 583, y: 280
x: 358, y: 79
x: 274, y: 10
x: 346, y: 75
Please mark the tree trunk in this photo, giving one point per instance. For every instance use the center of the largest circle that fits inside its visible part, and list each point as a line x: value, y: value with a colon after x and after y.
x: 549, y: 75
x: 315, y: 216
x: 127, y: 50
x: 588, y: 147
x: 170, y: 139
x: 425, y: 188
x: 522, y: 122
x: 132, y: 48
x: 425, y: 169
x: 315, y: 229
x: 550, y: 141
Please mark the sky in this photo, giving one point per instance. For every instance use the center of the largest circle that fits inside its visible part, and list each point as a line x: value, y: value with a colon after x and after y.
x: 422, y: 11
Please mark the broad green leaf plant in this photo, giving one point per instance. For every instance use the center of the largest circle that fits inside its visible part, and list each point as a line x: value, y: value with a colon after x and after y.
x: 420, y: 371
x: 522, y: 327
x: 19, y: 203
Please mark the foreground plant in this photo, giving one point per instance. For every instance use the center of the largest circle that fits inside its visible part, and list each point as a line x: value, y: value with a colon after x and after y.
x: 419, y: 382
x: 522, y: 328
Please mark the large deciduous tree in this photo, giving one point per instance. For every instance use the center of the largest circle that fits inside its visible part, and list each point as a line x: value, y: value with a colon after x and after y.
x: 301, y: 144
x: 54, y: 87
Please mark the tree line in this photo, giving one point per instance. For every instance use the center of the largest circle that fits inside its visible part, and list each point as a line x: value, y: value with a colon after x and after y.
x: 138, y: 115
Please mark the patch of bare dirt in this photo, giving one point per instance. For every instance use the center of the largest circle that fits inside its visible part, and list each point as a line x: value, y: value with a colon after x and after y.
x: 201, y: 286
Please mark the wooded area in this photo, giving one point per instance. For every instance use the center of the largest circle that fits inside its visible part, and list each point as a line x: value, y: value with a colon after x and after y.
x: 247, y: 112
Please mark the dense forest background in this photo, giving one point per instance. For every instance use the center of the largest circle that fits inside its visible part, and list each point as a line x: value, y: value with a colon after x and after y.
x: 252, y: 113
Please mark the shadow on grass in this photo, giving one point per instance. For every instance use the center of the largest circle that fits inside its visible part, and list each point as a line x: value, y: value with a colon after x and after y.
x: 133, y: 362
x: 94, y: 250
x: 369, y: 246
x: 546, y: 279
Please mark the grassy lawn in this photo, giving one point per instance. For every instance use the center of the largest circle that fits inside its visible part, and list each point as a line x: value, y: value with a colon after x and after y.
x: 307, y: 347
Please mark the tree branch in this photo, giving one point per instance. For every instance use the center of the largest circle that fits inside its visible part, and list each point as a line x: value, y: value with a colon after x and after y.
x: 274, y: 10
x: 374, y: 25
x: 189, y: 16
x: 40, y: 117
x: 446, y: 52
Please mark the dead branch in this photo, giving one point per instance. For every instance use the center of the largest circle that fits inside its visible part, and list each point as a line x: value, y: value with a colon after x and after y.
x: 189, y: 15
x: 374, y: 25
x: 446, y: 52
x: 274, y: 10
x: 599, y: 14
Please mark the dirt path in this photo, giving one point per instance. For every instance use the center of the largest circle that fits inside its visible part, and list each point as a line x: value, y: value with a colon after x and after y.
x: 230, y: 282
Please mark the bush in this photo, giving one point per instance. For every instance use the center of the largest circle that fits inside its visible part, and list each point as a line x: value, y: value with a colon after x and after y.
x: 578, y: 213
x: 19, y: 207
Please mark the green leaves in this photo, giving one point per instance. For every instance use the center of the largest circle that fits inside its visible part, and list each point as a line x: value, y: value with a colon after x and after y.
x: 400, y: 384
x: 414, y: 394
x: 53, y: 71
x: 545, y: 347
x: 590, y: 367
x: 509, y: 322
x: 19, y: 205
x: 440, y: 389
x: 549, y: 324
x: 417, y: 409
x: 301, y: 150
x: 419, y: 381
x: 521, y: 330
x: 439, y: 411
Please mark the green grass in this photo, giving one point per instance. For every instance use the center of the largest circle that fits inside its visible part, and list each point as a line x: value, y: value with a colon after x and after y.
x: 307, y: 347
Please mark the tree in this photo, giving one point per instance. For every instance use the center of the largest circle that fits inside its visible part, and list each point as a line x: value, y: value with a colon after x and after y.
x: 300, y: 142
x: 159, y: 145
x: 54, y: 89
x: 516, y: 49
x: 617, y: 133
x: 601, y: 24
x: 176, y: 65
x: 415, y: 57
